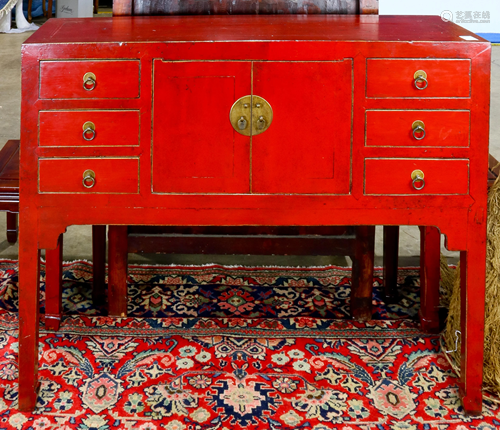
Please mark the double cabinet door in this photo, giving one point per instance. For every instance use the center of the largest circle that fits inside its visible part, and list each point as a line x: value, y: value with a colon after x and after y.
x: 306, y: 145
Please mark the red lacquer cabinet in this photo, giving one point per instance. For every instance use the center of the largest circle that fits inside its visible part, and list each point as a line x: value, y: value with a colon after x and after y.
x: 251, y: 120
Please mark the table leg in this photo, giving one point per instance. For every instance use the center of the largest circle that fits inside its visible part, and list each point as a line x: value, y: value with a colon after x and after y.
x: 362, y: 274
x: 472, y: 290
x: 430, y: 275
x: 53, y: 286
x: 391, y: 252
x: 99, y: 266
x: 117, y: 270
x: 29, y: 293
x: 11, y: 227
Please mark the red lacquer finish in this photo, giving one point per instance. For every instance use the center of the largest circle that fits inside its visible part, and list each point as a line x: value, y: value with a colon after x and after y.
x: 324, y: 77
x: 395, y: 128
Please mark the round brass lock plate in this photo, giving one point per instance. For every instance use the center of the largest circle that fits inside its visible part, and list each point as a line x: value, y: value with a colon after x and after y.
x: 420, y: 74
x: 417, y: 175
x: 417, y: 124
x: 240, y: 115
x: 251, y: 115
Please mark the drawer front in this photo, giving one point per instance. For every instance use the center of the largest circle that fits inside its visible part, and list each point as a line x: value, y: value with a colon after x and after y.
x: 388, y: 78
x: 89, y: 128
x: 417, y: 128
x: 112, y: 79
x: 394, y: 176
x: 110, y: 175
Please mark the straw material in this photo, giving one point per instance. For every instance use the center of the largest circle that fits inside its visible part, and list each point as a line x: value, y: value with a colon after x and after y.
x: 450, y: 282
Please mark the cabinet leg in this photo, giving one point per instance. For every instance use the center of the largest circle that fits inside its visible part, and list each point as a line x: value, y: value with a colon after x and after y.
x: 53, y: 286
x: 472, y: 290
x: 362, y: 274
x: 29, y: 294
x: 11, y: 227
x: 391, y: 253
x: 430, y: 275
x: 117, y: 270
x: 99, y: 266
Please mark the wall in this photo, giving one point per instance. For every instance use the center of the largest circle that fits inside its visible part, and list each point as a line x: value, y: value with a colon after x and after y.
x: 464, y: 11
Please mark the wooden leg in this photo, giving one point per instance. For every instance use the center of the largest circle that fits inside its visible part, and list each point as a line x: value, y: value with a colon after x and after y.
x: 30, y: 4
x: 11, y: 227
x: 53, y: 286
x: 472, y: 290
x: 96, y: 6
x: 44, y: 8
x: 29, y: 293
x: 99, y: 267
x: 430, y: 274
x: 391, y: 253
x: 117, y: 270
x: 362, y: 274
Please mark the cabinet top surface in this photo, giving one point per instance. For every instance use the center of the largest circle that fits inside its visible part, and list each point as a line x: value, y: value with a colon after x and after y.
x: 238, y: 28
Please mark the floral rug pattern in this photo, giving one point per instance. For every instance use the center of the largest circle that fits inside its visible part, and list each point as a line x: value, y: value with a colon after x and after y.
x: 274, y: 351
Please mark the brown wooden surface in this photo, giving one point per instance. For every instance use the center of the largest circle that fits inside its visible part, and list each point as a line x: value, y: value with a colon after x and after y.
x: 390, y: 274
x: 99, y: 264
x: 362, y: 274
x: 117, y: 270
x: 243, y: 7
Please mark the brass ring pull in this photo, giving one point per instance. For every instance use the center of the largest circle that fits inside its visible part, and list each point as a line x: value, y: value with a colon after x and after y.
x: 420, y: 77
x: 89, y: 81
x: 417, y: 177
x: 89, y: 128
x: 418, y: 127
x: 88, y: 178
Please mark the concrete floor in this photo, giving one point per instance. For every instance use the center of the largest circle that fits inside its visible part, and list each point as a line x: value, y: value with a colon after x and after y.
x: 77, y: 240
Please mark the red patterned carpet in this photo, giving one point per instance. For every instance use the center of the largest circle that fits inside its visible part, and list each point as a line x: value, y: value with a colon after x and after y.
x: 215, y: 347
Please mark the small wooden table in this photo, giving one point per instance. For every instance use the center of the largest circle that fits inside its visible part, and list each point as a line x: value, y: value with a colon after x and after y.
x: 255, y: 120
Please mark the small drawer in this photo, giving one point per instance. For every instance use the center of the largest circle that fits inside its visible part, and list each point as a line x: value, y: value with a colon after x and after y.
x: 89, y: 128
x: 402, y: 78
x: 89, y: 79
x: 385, y: 176
x: 417, y: 128
x: 89, y: 175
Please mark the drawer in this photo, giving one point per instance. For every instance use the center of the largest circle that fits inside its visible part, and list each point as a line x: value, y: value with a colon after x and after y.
x: 394, y: 176
x: 89, y: 128
x: 387, y: 78
x: 89, y: 79
x: 104, y: 175
x: 417, y: 128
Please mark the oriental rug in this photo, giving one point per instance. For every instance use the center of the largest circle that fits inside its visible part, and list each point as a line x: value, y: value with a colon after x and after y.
x: 214, y: 347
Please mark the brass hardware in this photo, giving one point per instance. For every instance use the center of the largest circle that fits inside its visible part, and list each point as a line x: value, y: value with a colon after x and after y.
x: 88, y: 128
x: 417, y: 176
x: 262, y: 115
x: 418, y: 127
x: 239, y: 113
x: 420, y: 77
x: 88, y: 178
x: 251, y: 115
x: 89, y: 81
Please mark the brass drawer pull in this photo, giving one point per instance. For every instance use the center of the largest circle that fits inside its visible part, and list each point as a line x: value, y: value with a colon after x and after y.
x: 89, y: 81
x: 88, y: 178
x: 418, y: 127
x: 420, y: 78
x: 417, y: 177
x: 89, y: 131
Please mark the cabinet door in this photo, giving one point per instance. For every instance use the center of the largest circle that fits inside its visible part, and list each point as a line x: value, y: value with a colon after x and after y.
x: 195, y: 148
x: 307, y: 147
